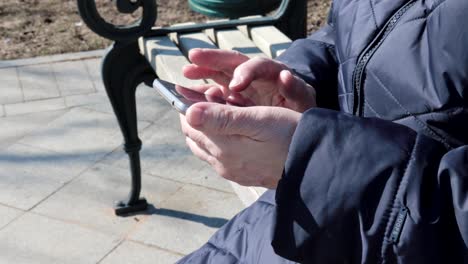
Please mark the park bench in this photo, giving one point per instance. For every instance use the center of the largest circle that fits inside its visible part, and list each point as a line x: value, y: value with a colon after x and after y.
x: 140, y: 53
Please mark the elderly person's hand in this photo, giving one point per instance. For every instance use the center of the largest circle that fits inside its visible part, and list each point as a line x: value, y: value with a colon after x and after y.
x: 248, y: 145
x: 248, y: 82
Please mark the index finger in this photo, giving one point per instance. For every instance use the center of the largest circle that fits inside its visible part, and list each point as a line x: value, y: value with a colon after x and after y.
x: 255, y: 69
x: 220, y: 60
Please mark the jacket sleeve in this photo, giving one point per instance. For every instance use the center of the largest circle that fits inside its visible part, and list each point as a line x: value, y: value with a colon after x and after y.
x: 314, y: 60
x: 358, y: 190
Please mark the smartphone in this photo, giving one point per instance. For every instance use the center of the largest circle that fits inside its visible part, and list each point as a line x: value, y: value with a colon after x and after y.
x: 182, y: 98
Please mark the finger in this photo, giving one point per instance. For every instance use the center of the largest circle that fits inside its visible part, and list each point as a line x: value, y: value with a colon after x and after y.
x: 238, y: 99
x: 212, y: 118
x: 295, y: 89
x: 202, y: 88
x: 198, y: 151
x: 222, y: 60
x: 195, y: 72
x: 255, y: 69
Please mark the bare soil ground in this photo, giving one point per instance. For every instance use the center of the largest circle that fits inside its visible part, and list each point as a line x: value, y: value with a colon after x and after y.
x: 30, y: 28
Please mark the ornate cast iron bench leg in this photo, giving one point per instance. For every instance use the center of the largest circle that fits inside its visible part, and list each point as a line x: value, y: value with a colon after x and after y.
x: 123, y: 69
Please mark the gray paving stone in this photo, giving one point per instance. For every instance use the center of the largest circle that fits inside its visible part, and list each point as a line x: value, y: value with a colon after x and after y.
x: 80, y: 131
x: 35, y: 106
x: 38, y: 82
x: 8, y: 214
x: 2, y: 110
x: 94, y: 69
x: 10, y: 86
x: 150, y: 105
x: 16, y: 127
x: 72, y: 78
x: 135, y: 253
x: 93, y: 194
x: 37, y: 239
x: 165, y: 154
x: 188, y: 219
x: 86, y: 99
x: 28, y: 175
x: 52, y: 58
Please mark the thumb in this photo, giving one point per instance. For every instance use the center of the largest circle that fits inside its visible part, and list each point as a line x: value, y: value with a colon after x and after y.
x: 216, y: 118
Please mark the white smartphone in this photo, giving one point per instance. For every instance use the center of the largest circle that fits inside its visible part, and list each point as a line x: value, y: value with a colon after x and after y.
x: 182, y: 98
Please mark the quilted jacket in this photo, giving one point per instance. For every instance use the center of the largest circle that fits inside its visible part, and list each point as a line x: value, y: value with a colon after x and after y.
x: 378, y: 173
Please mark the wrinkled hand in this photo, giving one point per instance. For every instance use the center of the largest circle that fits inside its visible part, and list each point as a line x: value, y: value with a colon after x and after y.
x: 248, y: 82
x: 248, y: 145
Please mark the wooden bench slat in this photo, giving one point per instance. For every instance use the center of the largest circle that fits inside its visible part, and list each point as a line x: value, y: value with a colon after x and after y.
x: 233, y: 39
x: 186, y: 42
x: 167, y: 60
x: 270, y: 40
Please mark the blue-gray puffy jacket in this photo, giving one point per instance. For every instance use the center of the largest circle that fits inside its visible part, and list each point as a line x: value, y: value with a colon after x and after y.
x: 381, y: 176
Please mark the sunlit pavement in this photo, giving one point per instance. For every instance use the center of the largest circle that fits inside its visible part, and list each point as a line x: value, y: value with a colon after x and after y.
x: 62, y: 167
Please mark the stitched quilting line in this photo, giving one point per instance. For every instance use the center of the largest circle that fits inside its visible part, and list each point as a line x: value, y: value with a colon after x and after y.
x: 221, y: 246
x: 371, y: 108
x: 449, y: 112
x: 425, y: 127
x: 373, y: 14
x: 388, y: 228
x: 427, y: 15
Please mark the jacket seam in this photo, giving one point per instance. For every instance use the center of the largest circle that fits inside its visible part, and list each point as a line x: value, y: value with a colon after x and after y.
x: 385, y: 242
x: 449, y: 112
x: 425, y: 16
x: 239, y: 228
x: 373, y: 14
x: 418, y: 121
x: 227, y: 252
x: 321, y: 43
x: 366, y: 102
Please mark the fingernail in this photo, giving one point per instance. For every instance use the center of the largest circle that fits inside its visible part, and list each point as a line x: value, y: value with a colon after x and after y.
x: 196, y: 116
x: 235, y: 82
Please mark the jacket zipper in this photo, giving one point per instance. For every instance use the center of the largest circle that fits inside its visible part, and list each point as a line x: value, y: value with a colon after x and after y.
x: 358, y: 74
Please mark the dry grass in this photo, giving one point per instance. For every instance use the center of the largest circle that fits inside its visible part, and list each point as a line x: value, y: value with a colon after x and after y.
x: 31, y: 28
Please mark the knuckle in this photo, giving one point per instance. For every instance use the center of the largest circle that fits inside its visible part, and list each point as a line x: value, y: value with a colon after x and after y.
x: 212, y: 161
x: 225, y: 118
x: 221, y: 155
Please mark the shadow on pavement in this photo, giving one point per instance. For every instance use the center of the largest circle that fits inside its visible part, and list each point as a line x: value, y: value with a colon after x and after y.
x: 215, y: 222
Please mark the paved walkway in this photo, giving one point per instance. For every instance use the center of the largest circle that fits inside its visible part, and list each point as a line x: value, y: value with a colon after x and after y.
x: 62, y: 167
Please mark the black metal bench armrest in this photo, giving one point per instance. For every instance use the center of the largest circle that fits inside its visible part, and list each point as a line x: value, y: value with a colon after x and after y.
x: 96, y: 23
x: 290, y: 18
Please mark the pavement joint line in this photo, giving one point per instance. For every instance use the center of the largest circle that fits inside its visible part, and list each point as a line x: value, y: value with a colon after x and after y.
x: 156, y: 247
x: 194, y: 184
x: 56, y: 80
x: 110, y: 251
x: 92, y: 165
x: 88, y: 107
x: 76, y: 223
x: 18, y: 140
x: 74, y: 56
x: 89, y: 76
x: 36, y: 100
x: 20, y: 84
x: 11, y: 207
x: 183, y: 184
x: 13, y: 220
x: 66, y: 183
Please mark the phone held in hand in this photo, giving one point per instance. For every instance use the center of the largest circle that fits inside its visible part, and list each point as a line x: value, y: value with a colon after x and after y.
x: 182, y: 98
